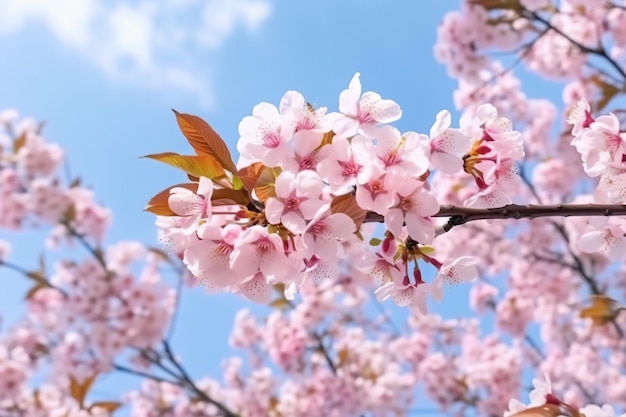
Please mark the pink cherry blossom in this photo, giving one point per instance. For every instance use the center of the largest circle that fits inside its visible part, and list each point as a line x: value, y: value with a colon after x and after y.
x: 208, y: 258
x: 192, y: 206
x: 257, y: 250
x: 401, y: 153
x: 447, y: 145
x: 601, y: 145
x: 406, y: 293
x: 414, y: 206
x: 298, y: 197
x: 580, y: 116
x: 265, y: 135
x: 359, y: 112
x: 377, y: 193
x: 324, y: 234
x: 345, y: 163
x: 454, y: 272
x: 604, y: 237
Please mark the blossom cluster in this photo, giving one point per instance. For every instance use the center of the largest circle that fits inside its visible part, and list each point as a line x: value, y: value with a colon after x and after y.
x: 312, y: 178
x: 602, y: 147
x: 81, y: 314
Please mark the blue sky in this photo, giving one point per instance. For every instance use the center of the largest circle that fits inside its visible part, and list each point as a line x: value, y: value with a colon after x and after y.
x: 104, y: 75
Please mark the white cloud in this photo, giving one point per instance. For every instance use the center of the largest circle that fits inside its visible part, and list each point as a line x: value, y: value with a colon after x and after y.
x: 155, y: 44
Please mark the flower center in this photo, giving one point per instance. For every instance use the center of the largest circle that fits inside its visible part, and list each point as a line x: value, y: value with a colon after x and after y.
x: 349, y: 168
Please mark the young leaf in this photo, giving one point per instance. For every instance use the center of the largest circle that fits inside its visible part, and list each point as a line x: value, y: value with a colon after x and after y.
x: 158, y: 204
x: 204, y: 140
x: 79, y: 390
x: 280, y: 303
x: 264, y: 187
x: 327, y: 139
x: 38, y: 286
x: 547, y: 410
x: 37, y: 276
x: 196, y: 165
x: 347, y: 204
x: 19, y: 143
x: 227, y: 197
x: 603, y: 309
x: 608, y: 91
x: 250, y: 174
x: 109, y: 406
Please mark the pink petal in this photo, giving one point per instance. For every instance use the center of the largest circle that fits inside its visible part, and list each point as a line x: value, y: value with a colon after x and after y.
x: 394, y: 220
x: 591, y: 242
x: 257, y: 289
x: 205, y: 188
x: 274, y: 210
x: 293, y: 221
x: 292, y: 102
x: 442, y: 122
x: 184, y: 202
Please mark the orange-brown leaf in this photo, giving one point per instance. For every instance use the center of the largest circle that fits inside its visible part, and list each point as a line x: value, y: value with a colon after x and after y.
x: 603, y: 309
x: 227, y: 197
x: 38, y: 286
x: 158, y: 204
x: 347, y: 204
x: 343, y: 355
x: 265, y: 184
x: 499, y: 4
x: 280, y: 303
x: 109, y: 406
x: 196, y: 165
x: 250, y: 174
x: 19, y: 143
x: 37, y: 276
x: 205, y: 140
x: 547, y: 410
x: 327, y: 139
x: 79, y: 390
x: 608, y: 91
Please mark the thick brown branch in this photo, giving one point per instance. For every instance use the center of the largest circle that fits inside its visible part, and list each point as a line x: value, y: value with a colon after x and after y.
x: 460, y: 215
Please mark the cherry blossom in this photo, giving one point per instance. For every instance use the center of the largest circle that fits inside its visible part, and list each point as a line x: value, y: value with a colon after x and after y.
x: 447, y: 145
x: 298, y: 197
x: 358, y: 113
x: 414, y: 207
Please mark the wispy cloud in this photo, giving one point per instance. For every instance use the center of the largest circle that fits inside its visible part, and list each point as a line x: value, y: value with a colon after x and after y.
x: 148, y: 43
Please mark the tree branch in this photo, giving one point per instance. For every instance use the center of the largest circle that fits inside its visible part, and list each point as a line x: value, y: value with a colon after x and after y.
x: 460, y: 215
x: 186, y: 379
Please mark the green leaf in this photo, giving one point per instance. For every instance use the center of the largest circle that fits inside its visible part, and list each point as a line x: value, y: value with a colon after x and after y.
x: 237, y: 183
x: 427, y: 250
x: 195, y: 165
